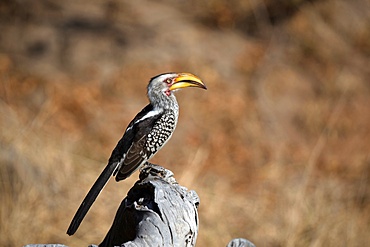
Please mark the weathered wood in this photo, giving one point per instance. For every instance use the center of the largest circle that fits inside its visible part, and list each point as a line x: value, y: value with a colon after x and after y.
x: 240, y: 242
x: 156, y: 212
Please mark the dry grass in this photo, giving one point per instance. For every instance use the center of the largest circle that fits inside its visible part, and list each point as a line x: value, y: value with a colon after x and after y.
x: 277, y: 148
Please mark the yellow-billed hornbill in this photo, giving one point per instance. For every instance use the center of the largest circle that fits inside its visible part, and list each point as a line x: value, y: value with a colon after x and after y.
x: 144, y: 137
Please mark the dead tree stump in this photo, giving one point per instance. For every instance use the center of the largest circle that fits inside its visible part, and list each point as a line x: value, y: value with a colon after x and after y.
x: 156, y: 212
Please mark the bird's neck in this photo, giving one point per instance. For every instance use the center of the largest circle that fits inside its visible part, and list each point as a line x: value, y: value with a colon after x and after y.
x: 164, y: 102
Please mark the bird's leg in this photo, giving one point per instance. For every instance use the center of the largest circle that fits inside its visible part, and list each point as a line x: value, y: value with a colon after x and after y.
x: 152, y: 169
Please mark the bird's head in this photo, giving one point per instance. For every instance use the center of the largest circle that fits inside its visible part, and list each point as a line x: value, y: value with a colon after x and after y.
x: 161, y: 87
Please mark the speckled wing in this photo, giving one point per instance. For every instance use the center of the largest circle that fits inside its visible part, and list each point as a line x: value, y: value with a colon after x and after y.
x: 137, y: 153
x: 152, y: 131
x: 133, y: 159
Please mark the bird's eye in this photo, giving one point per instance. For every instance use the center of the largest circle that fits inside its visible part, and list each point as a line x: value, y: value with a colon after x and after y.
x: 168, y: 81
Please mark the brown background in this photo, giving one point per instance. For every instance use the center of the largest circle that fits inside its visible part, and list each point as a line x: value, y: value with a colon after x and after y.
x: 277, y: 148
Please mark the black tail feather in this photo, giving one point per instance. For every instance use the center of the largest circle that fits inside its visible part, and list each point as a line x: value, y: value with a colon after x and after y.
x: 90, y: 198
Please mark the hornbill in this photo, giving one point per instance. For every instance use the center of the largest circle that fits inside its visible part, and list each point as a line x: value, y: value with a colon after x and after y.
x: 144, y: 137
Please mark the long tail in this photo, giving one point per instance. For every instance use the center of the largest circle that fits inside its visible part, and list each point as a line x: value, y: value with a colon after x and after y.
x: 90, y: 198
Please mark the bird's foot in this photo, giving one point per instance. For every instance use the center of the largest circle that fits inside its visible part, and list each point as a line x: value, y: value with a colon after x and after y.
x: 149, y: 169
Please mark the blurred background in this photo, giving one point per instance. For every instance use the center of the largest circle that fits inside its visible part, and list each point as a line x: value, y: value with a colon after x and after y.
x: 278, y: 148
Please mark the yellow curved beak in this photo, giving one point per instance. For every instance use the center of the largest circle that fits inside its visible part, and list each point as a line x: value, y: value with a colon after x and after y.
x: 184, y: 80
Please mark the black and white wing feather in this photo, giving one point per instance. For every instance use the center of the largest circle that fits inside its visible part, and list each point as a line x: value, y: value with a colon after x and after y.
x: 137, y: 153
